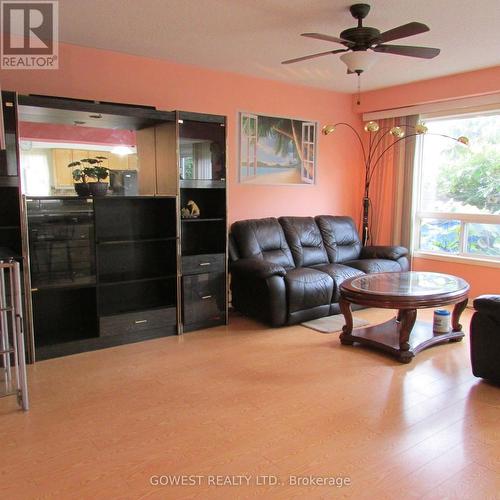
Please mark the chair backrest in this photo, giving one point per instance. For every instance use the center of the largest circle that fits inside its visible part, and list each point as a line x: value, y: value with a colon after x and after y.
x: 262, y: 239
x: 340, y: 237
x: 304, y: 239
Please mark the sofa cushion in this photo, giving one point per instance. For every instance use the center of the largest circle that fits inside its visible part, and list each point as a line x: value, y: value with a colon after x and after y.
x: 304, y: 239
x: 339, y: 273
x: 340, y: 238
x: 369, y: 266
x: 383, y: 252
x: 307, y: 288
x: 262, y: 239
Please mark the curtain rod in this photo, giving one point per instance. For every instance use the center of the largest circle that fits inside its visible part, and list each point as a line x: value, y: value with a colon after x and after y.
x: 489, y: 101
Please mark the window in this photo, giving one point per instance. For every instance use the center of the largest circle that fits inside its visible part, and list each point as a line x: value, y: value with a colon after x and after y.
x: 308, y: 150
x: 249, y: 138
x: 457, y: 188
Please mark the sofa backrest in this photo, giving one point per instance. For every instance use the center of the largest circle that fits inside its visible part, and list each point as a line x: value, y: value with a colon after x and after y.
x: 262, y: 239
x: 304, y: 239
x: 340, y: 237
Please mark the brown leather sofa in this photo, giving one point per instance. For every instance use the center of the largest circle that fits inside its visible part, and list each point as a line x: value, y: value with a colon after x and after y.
x: 288, y: 270
x: 485, y: 338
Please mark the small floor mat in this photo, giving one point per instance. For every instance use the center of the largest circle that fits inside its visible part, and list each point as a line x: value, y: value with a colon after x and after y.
x: 332, y: 324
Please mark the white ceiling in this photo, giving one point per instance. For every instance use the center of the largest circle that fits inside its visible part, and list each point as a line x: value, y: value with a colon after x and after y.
x: 254, y: 36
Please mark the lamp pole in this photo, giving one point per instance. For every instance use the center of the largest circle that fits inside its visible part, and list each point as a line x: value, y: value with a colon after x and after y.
x: 373, y: 157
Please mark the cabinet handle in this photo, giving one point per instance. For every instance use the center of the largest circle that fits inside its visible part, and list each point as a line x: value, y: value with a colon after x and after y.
x: 137, y: 321
x: 205, y: 263
x: 206, y: 297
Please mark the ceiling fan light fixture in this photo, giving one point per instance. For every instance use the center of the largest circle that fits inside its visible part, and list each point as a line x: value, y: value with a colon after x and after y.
x: 359, y: 60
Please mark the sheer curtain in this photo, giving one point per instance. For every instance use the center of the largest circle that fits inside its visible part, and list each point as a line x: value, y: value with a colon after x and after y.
x: 202, y: 160
x: 36, y: 172
x: 392, y: 186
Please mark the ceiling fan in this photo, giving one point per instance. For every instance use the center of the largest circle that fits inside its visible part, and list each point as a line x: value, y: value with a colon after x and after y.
x: 361, y: 38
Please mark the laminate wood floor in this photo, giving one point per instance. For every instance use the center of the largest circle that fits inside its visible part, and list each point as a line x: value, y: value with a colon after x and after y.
x: 276, y: 405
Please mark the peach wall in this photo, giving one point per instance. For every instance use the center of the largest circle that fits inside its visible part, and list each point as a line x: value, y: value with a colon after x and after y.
x: 482, y: 279
x: 469, y: 84
x: 110, y: 76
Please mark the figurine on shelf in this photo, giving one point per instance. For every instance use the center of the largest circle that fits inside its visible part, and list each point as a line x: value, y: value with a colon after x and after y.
x: 190, y: 211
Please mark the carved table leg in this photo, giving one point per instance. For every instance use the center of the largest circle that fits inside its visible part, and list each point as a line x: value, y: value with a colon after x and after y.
x: 455, y: 317
x: 406, y: 318
x: 345, y: 309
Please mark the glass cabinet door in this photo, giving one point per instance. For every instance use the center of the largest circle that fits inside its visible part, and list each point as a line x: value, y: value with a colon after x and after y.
x: 202, y: 151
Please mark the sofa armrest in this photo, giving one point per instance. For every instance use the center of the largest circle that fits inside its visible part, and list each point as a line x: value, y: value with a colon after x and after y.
x: 383, y: 252
x: 257, y: 267
x: 488, y: 304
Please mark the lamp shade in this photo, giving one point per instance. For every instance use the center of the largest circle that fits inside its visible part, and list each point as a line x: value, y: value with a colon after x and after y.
x: 359, y: 60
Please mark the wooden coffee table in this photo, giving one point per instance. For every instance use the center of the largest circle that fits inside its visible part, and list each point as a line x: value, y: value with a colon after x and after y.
x: 403, y: 336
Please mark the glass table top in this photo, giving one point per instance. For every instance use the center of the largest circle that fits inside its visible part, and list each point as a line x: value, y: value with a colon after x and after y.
x: 408, y: 284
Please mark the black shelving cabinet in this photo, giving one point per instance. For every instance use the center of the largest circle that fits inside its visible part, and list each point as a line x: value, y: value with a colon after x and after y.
x: 202, y: 173
x: 136, y: 265
x: 10, y: 218
x: 103, y: 271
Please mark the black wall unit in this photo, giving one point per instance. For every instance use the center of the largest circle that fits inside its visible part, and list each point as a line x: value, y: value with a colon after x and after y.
x: 101, y: 268
x: 204, y: 300
x: 61, y: 242
x: 10, y: 223
x: 10, y: 219
x: 139, y: 296
x: 202, y: 172
x: 200, y: 237
x: 8, y: 156
x: 137, y: 260
x: 134, y: 218
x: 64, y: 315
x: 122, y: 268
x: 210, y: 201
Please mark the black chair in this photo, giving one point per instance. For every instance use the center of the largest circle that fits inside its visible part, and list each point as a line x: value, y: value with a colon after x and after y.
x: 485, y: 338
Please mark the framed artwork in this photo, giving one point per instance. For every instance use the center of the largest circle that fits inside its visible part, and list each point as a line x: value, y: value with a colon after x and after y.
x: 276, y: 150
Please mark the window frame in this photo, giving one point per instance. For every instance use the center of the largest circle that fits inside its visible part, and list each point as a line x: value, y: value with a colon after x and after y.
x: 464, y: 218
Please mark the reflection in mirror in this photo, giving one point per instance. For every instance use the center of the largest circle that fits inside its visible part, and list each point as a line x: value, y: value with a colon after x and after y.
x: 197, y: 158
x: 201, y: 151
x: 52, y: 154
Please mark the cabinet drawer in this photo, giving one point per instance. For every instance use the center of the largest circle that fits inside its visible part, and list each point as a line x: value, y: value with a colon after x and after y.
x: 204, y: 298
x: 137, y: 321
x: 206, y: 263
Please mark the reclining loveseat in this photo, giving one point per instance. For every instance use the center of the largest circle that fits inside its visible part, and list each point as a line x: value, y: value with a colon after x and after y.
x: 288, y: 270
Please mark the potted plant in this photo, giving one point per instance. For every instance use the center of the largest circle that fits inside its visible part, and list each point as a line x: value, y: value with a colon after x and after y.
x: 82, y: 175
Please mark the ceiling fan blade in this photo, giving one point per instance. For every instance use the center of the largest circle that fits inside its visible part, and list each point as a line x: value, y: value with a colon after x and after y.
x: 312, y: 56
x: 327, y: 38
x: 408, y: 50
x: 403, y: 31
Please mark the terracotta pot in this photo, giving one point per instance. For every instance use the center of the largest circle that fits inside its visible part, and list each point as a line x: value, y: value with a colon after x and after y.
x: 98, y: 188
x: 82, y: 189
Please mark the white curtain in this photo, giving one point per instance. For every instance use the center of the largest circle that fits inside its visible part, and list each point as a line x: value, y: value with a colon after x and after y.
x: 35, y: 168
x: 202, y: 160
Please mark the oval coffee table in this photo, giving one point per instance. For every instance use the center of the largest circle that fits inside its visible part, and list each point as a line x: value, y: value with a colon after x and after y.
x: 403, y: 336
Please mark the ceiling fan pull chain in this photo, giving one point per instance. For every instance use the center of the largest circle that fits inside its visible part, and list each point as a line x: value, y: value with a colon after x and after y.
x: 358, y: 102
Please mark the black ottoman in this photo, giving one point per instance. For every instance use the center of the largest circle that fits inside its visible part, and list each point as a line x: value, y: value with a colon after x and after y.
x: 485, y: 338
